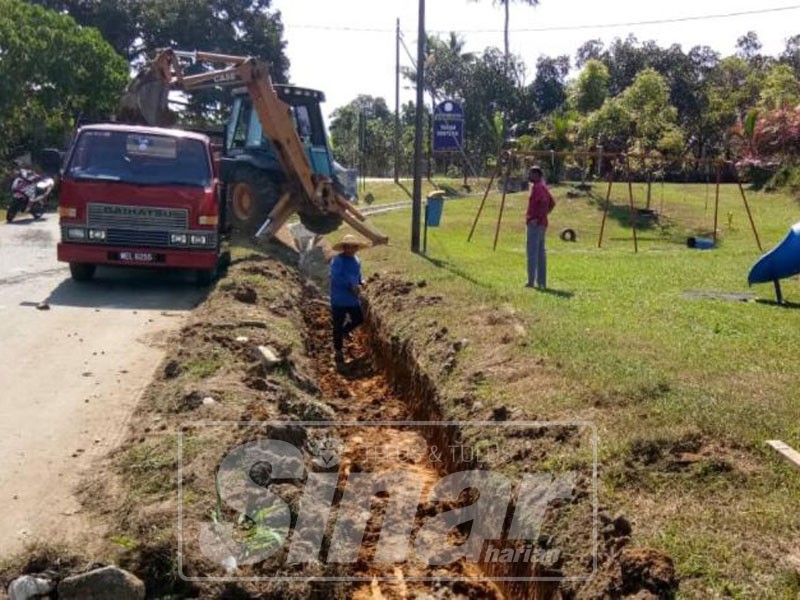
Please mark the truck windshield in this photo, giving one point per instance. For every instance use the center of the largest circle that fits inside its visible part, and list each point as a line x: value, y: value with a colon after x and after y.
x: 140, y: 158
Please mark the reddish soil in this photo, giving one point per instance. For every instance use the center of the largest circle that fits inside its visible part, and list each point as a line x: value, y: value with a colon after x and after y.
x: 360, y: 393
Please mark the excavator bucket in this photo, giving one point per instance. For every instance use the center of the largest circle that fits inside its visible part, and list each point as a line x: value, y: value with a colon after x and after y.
x: 145, y: 100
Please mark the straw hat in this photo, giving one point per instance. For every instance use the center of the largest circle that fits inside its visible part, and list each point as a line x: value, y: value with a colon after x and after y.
x: 349, y: 240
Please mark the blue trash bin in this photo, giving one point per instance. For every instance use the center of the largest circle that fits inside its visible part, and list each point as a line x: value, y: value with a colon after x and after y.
x: 433, y: 209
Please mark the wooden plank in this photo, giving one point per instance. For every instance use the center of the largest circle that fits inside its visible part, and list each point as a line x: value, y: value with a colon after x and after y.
x: 791, y: 455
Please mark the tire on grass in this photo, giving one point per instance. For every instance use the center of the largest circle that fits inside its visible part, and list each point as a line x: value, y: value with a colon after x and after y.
x: 568, y: 235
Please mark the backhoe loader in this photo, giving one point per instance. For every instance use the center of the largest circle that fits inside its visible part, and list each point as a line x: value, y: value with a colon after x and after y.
x: 276, y: 159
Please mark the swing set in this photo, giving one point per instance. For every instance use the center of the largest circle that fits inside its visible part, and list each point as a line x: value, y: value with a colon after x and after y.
x: 616, y: 162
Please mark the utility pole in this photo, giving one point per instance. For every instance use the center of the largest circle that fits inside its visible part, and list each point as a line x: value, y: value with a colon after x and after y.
x: 430, y: 144
x: 419, y: 123
x: 397, y: 104
x: 431, y: 162
x: 362, y: 154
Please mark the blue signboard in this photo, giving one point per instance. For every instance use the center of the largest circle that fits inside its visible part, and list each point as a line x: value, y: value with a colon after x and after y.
x: 448, y: 127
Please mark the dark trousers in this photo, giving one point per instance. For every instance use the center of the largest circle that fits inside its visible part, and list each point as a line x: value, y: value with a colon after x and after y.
x: 537, y: 256
x: 342, y: 325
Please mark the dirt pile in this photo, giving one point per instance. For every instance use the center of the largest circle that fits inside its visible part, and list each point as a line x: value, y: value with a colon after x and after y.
x: 237, y: 368
x: 630, y: 572
x: 215, y: 373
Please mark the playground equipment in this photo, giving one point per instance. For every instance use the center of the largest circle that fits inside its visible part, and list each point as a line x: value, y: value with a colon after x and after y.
x: 779, y: 263
x: 616, y: 162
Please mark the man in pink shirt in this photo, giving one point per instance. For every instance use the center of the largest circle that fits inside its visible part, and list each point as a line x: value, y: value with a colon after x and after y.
x: 540, y: 204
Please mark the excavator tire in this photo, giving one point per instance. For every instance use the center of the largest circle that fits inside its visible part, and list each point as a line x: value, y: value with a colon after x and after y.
x: 320, y: 223
x: 251, y: 197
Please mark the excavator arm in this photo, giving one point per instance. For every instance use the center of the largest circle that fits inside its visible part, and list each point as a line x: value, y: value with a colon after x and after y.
x: 145, y: 100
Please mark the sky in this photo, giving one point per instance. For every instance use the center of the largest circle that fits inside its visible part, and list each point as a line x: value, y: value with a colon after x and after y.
x: 347, y: 47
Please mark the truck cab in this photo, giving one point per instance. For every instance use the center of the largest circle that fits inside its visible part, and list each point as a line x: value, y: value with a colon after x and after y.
x: 140, y: 196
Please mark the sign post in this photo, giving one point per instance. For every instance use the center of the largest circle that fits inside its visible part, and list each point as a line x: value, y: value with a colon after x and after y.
x: 448, y: 127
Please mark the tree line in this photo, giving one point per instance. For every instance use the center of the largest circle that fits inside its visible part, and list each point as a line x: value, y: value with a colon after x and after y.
x: 63, y: 61
x: 66, y: 60
x: 630, y: 96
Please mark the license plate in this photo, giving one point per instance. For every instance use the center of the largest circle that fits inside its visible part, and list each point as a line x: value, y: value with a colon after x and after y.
x: 137, y: 256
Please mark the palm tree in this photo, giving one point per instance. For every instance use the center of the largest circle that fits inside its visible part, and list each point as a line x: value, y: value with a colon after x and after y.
x: 447, y: 64
x: 506, y: 4
x: 507, y: 46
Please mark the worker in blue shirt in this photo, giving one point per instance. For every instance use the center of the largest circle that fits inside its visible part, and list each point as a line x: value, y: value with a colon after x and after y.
x: 346, y: 283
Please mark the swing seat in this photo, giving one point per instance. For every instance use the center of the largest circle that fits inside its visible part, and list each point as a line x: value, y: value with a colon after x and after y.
x: 647, y: 214
x: 513, y: 185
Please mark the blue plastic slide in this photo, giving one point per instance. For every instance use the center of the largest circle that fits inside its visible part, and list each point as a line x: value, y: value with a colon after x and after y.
x: 779, y: 263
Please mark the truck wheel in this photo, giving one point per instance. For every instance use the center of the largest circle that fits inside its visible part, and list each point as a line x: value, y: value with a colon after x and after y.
x: 252, y: 196
x: 205, y: 277
x: 82, y: 271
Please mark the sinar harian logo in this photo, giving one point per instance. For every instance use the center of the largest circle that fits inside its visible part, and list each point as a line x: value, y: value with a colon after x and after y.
x: 326, y: 451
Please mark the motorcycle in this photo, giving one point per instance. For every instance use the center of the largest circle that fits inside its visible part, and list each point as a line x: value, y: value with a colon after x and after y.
x: 30, y: 192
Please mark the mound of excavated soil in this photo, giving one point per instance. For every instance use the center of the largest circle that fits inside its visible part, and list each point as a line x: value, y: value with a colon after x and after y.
x: 259, y: 350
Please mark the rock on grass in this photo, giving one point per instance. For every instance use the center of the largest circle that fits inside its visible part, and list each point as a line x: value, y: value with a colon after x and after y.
x: 102, y: 584
x: 268, y: 356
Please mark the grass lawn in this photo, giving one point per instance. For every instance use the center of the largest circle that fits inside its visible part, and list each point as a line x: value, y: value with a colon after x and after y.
x: 683, y: 382
x: 387, y: 192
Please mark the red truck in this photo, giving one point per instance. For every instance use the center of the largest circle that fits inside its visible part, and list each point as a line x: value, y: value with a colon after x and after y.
x: 141, y: 196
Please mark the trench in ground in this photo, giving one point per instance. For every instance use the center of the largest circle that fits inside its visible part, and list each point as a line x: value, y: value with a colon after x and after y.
x: 382, y: 383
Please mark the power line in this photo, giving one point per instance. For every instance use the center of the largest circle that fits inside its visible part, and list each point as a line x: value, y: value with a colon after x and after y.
x: 408, y: 52
x: 563, y: 27
x: 656, y: 21
x: 338, y: 28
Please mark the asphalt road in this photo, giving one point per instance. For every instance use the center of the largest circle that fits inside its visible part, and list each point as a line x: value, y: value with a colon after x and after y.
x: 70, y: 376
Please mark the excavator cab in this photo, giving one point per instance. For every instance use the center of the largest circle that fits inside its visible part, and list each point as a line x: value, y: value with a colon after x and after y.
x: 256, y: 185
x: 245, y: 137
